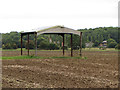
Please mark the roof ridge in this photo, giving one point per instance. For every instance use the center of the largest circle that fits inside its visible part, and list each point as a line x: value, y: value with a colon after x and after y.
x: 51, y: 28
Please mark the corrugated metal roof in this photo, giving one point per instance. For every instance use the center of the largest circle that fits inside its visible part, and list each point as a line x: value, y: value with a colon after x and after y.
x: 53, y: 30
x: 57, y: 30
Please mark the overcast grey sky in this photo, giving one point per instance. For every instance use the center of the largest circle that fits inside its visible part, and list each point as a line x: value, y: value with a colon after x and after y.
x: 22, y: 15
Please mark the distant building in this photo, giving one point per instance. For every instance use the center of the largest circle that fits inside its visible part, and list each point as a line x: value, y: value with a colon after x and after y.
x: 89, y: 45
x: 50, y: 40
x: 103, y: 44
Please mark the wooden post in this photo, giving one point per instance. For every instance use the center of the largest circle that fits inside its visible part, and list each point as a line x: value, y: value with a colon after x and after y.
x: 21, y: 44
x: 71, y: 47
x: 28, y: 44
x: 81, y: 44
x: 35, y: 44
x: 63, y: 44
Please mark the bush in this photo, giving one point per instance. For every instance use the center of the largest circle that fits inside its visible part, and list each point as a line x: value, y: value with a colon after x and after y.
x: 9, y: 46
x: 112, y: 45
x: 96, y: 44
x: 117, y: 46
x: 48, y: 46
x: 14, y: 46
x: 6, y: 46
x: 43, y: 45
x: 76, y: 47
x: 53, y: 46
x: 31, y: 44
x: 65, y: 48
x: 83, y: 45
x: 3, y: 46
x: 110, y: 40
x: 102, y: 48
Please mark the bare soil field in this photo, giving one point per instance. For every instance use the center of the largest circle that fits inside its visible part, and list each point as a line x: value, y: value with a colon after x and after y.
x: 99, y: 70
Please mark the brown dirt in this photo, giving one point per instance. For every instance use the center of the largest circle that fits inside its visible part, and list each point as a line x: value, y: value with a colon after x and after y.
x: 100, y: 70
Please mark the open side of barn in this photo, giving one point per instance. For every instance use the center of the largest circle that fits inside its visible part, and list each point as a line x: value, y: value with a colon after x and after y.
x: 60, y: 30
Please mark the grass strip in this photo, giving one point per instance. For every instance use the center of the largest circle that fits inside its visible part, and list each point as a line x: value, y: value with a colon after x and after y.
x: 86, y: 49
x: 38, y: 57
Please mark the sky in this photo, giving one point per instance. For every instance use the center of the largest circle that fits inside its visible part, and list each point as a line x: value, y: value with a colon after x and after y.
x: 25, y: 15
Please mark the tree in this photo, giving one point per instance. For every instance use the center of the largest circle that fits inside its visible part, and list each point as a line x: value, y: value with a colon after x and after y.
x: 6, y: 46
x: 31, y: 44
x: 53, y: 46
x: 110, y: 40
x: 14, y: 46
x: 47, y: 46
x: 112, y: 45
x: 117, y: 46
x: 96, y: 43
x: 43, y: 45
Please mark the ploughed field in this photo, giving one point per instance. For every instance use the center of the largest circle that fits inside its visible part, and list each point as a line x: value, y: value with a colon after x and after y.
x: 99, y: 70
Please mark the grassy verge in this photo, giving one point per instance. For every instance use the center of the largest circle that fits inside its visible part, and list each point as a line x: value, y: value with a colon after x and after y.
x: 27, y: 50
x: 86, y: 49
x: 97, y: 49
x: 37, y: 57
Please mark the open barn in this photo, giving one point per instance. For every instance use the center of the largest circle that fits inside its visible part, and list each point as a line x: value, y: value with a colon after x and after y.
x: 59, y: 30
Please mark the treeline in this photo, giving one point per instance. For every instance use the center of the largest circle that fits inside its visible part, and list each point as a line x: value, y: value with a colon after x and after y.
x: 98, y: 35
x: 12, y: 40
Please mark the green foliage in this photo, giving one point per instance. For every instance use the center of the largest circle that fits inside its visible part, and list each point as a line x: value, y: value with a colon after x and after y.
x: 31, y: 44
x: 37, y: 57
x: 97, y: 35
x: 112, y: 45
x: 83, y: 45
x: 14, y: 46
x: 10, y: 40
x: 110, y: 40
x: 102, y: 48
x: 9, y: 46
x: 45, y: 45
x: 6, y: 46
x: 117, y: 46
x: 76, y: 42
x: 53, y: 46
x: 96, y: 43
x: 65, y: 47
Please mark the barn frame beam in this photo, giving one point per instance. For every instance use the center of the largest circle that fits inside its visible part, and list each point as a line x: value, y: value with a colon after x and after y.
x: 28, y: 44
x: 63, y: 44
x: 21, y: 43
x: 71, y: 47
x: 35, y: 44
x: 81, y: 44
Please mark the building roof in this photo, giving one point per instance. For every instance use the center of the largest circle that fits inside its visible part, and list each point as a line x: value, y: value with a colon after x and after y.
x: 55, y: 30
x: 104, y: 41
x: 58, y: 30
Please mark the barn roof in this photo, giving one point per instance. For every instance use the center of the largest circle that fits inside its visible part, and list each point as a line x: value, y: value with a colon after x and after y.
x: 55, y: 30
x: 58, y: 30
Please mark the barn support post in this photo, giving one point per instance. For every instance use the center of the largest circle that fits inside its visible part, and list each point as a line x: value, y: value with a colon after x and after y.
x: 63, y: 45
x: 81, y: 44
x: 28, y: 44
x: 21, y: 44
x: 35, y: 44
x: 71, y: 47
